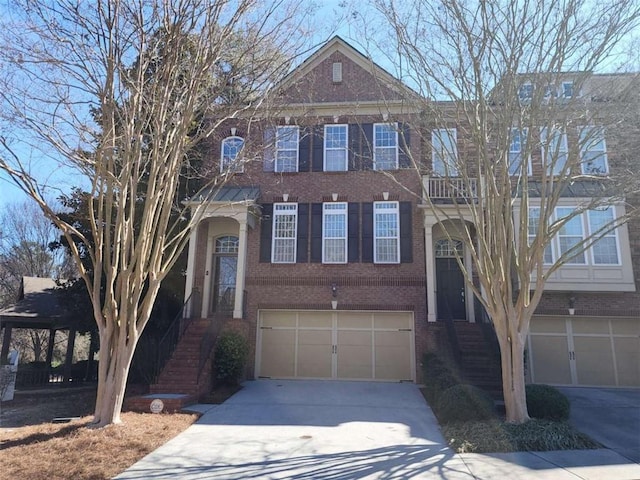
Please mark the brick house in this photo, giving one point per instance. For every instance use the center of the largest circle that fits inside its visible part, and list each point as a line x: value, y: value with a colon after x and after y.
x: 321, y: 251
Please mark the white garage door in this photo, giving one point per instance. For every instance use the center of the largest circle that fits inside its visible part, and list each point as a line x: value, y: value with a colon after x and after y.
x: 336, y: 345
x: 585, y: 351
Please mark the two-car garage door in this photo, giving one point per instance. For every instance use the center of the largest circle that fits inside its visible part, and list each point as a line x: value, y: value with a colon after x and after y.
x: 336, y: 345
x: 589, y: 351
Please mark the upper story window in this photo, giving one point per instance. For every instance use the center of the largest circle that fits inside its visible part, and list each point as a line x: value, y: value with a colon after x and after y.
x: 532, y: 232
x: 386, y: 232
x: 334, y: 233
x: 571, y: 234
x: 593, y: 151
x: 335, y: 148
x: 287, y: 140
x: 230, y: 155
x: 525, y: 92
x: 445, y: 152
x: 555, y: 152
x: 567, y: 90
x: 385, y: 143
x: 605, y: 250
x: 285, y: 225
x: 517, y: 148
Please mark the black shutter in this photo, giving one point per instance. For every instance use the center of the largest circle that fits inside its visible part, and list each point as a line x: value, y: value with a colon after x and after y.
x: 266, y: 227
x: 304, y: 149
x: 355, y: 137
x: 317, y: 162
x: 353, y: 237
x: 302, y: 243
x: 316, y: 232
x: 406, y: 240
x: 367, y: 146
x: 268, y: 149
x: 367, y: 232
x: 404, y: 142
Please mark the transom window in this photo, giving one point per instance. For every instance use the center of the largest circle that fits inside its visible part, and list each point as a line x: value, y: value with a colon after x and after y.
x: 386, y: 231
x: 385, y: 143
x: 554, y: 150
x: 335, y: 148
x: 448, y: 248
x: 227, y: 245
x: 231, y: 148
x: 285, y: 226
x: 445, y: 152
x: 334, y: 233
x: 517, y: 149
x: 287, y: 140
x: 593, y: 151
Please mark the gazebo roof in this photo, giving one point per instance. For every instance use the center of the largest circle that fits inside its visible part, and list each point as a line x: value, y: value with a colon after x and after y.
x: 37, y: 307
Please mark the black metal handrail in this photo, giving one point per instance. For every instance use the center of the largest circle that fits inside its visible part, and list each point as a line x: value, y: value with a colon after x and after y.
x: 169, y: 341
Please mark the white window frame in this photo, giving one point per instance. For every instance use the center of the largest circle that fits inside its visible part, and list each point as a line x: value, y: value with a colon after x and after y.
x: 444, y: 166
x: 525, y: 92
x: 378, y: 149
x: 564, y: 89
x: 280, y: 149
x: 328, y: 148
x: 516, y: 156
x: 575, y: 220
x: 228, y: 162
x: 281, y: 210
x: 561, y: 150
x: 549, y: 249
x: 586, y: 137
x: 384, y: 208
x: 334, y: 209
x: 612, y: 234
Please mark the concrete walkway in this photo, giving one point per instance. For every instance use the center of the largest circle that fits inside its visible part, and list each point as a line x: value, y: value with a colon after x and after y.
x: 342, y: 431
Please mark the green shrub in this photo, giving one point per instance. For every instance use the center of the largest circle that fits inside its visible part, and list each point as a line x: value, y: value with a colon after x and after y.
x: 438, y: 377
x: 547, y: 402
x: 463, y: 403
x: 230, y: 357
x: 477, y: 437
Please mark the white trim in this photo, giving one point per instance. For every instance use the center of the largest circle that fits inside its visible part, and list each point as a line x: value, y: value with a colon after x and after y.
x: 394, y: 210
x: 286, y: 210
x: 394, y: 127
x: 598, y: 133
x: 336, y: 211
x: 613, y: 233
x: 561, y: 150
x: 277, y: 167
x: 231, y: 166
x: 333, y: 149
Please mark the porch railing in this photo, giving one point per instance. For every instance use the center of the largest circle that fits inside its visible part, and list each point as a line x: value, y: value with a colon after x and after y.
x: 450, y: 188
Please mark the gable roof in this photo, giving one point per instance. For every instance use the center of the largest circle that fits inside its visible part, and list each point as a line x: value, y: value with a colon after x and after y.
x: 38, y: 305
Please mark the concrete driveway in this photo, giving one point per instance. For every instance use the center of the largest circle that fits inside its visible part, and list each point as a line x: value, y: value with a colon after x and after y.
x: 309, y: 430
x: 610, y: 416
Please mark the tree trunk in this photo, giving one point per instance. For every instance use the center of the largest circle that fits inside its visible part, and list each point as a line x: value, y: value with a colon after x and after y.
x: 513, y: 385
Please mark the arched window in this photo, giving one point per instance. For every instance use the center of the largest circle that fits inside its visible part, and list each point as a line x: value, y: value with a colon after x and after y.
x: 446, y: 248
x: 230, y: 157
x: 228, y: 244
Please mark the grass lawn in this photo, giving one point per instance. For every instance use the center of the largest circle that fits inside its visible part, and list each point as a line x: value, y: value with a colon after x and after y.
x: 34, y: 448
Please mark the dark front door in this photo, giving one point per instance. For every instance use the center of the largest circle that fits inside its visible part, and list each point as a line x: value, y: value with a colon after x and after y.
x: 450, y: 290
x: 224, y: 283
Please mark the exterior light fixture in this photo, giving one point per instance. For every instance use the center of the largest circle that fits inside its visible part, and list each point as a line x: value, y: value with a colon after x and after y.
x: 334, y: 294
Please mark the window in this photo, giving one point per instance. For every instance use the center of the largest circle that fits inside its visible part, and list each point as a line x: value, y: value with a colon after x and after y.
x: 534, y: 225
x: 335, y: 148
x: 285, y: 222
x: 593, y: 151
x: 287, y: 138
x: 334, y: 233
x: 386, y: 232
x: 445, y: 248
x: 570, y: 234
x: 525, y: 93
x: 231, y: 148
x: 445, y: 152
x: 337, y: 72
x: 567, y: 89
x: 385, y: 146
x: 517, y: 148
x: 554, y: 150
x: 605, y: 250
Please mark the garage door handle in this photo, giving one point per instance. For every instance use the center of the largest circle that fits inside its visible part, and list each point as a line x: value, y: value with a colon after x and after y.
x: 404, y: 330
x: 266, y: 328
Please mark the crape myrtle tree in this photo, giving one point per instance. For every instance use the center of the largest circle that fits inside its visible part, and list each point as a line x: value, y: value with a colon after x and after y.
x: 494, y: 71
x: 123, y: 92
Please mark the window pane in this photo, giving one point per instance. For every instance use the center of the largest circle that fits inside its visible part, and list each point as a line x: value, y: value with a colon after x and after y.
x: 517, y: 162
x: 386, y: 232
x: 605, y: 250
x: 334, y: 233
x: 533, y: 226
x: 593, y: 153
x: 387, y: 250
x: 231, y: 148
x: 285, y: 220
x: 385, y: 143
x: 445, y: 154
x: 555, y: 153
x: 335, y: 161
x: 286, y: 149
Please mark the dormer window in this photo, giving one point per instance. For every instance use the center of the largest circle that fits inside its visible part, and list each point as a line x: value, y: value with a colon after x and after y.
x: 567, y: 89
x: 230, y: 156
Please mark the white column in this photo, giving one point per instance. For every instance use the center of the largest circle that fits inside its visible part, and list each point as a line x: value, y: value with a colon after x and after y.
x: 208, y: 274
x: 191, y: 261
x: 242, y: 261
x: 430, y: 264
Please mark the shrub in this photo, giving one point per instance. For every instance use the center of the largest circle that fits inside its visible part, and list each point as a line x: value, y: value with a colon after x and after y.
x: 230, y: 357
x: 547, y: 402
x: 463, y: 403
x: 438, y: 377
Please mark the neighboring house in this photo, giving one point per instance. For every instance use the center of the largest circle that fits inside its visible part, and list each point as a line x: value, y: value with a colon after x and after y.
x: 324, y: 255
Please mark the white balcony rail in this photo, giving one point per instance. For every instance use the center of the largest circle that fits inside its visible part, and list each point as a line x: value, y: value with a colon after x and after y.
x: 439, y: 188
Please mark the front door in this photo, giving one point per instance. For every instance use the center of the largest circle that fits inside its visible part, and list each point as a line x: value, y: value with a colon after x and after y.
x: 450, y: 283
x: 225, y: 267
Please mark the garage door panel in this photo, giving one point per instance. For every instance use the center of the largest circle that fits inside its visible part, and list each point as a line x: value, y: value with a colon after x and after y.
x: 315, y: 320
x: 590, y: 326
x: 314, y: 337
x: 550, y: 359
x: 626, y: 326
x: 594, y: 360
x: 349, y: 338
x: 385, y: 320
x: 548, y: 325
x: 391, y: 359
x: 355, y: 320
x: 278, y: 319
x: 628, y: 361
x: 278, y: 353
x: 355, y: 362
x: 314, y: 361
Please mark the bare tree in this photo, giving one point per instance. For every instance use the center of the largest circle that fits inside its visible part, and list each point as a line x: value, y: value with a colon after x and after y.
x: 123, y: 92
x: 506, y: 74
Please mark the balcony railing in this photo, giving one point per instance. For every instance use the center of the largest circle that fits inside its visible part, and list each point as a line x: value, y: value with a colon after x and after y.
x: 451, y: 188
